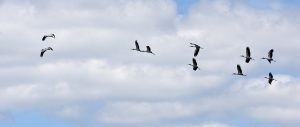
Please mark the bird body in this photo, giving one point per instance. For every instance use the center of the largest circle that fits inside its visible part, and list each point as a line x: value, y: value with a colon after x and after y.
x: 44, y: 50
x: 270, y: 56
x: 46, y: 36
x: 148, y: 50
x: 240, y: 72
x: 270, y: 78
x: 194, y: 65
x: 197, y: 48
x: 248, y: 55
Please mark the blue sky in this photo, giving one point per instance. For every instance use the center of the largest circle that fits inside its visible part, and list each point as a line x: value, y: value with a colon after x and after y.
x: 92, y: 78
x: 183, y: 6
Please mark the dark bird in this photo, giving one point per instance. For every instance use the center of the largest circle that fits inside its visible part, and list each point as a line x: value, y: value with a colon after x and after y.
x: 270, y: 78
x: 137, y: 47
x: 240, y: 72
x: 194, y: 65
x: 148, y: 50
x: 248, y: 55
x: 44, y: 50
x: 45, y: 36
x: 270, y: 56
x: 197, y: 48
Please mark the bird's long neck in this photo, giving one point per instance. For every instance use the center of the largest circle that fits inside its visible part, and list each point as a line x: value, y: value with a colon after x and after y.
x: 192, y: 65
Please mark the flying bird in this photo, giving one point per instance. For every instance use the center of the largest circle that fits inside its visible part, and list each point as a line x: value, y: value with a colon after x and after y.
x: 270, y: 56
x: 44, y: 50
x: 240, y: 72
x: 197, y: 48
x: 137, y: 47
x: 248, y: 55
x: 148, y: 50
x: 270, y: 78
x: 194, y: 65
x: 45, y: 36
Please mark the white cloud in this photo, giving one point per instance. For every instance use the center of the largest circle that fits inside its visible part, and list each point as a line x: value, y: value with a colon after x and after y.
x: 142, y: 112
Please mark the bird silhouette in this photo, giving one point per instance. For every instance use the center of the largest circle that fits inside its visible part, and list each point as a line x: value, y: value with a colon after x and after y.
x: 240, y: 72
x: 44, y: 50
x: 194, y: 65
x: 270, y: 78
x: 197, y: 48
x: 137, y: 47
x: 46, y: 36
x: 248, y: 55
x: 148, y: 50
x: 270, y: 56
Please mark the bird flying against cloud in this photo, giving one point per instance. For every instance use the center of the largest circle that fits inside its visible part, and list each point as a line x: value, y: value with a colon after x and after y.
x: 270, y: 78
x: 46, y: 36
x: 197, y: 48
x: 270, y: 56
x: 194, y: 65
x: 137, y: 47
x: 248, y: 55
x: 240, y: 72
x: 148, y: 50
x: 44, y: 50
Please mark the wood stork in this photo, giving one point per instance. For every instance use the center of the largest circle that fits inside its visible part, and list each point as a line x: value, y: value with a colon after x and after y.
x: 270, y: 78
x: 240, y: 72
x: 148, y: 50
x: 44, y: 50
x: 270, y: 56
x: 137, y: 47
x: 197, y: 48
x: 45, y: 36
x: 194, y: 65
x: 248, y: 55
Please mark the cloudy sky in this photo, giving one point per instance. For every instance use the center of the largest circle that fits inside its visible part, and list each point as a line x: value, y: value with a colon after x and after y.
x: 93, y: 78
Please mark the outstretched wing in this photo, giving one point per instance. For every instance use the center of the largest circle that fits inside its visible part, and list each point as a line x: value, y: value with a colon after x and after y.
x: 194, y: 62
x: 192, y: 44
x: 270, y: 54
x: 239, y: 69
x: 270, y: 76
x: 44, y: 38
x: 49, y: 48
x: 148, y: 48
x: 248, y: 53
x: 196, y: 51
x: 137, y: 45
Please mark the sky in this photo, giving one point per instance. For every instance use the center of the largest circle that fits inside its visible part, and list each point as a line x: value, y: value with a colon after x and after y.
x: 92, y: 77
